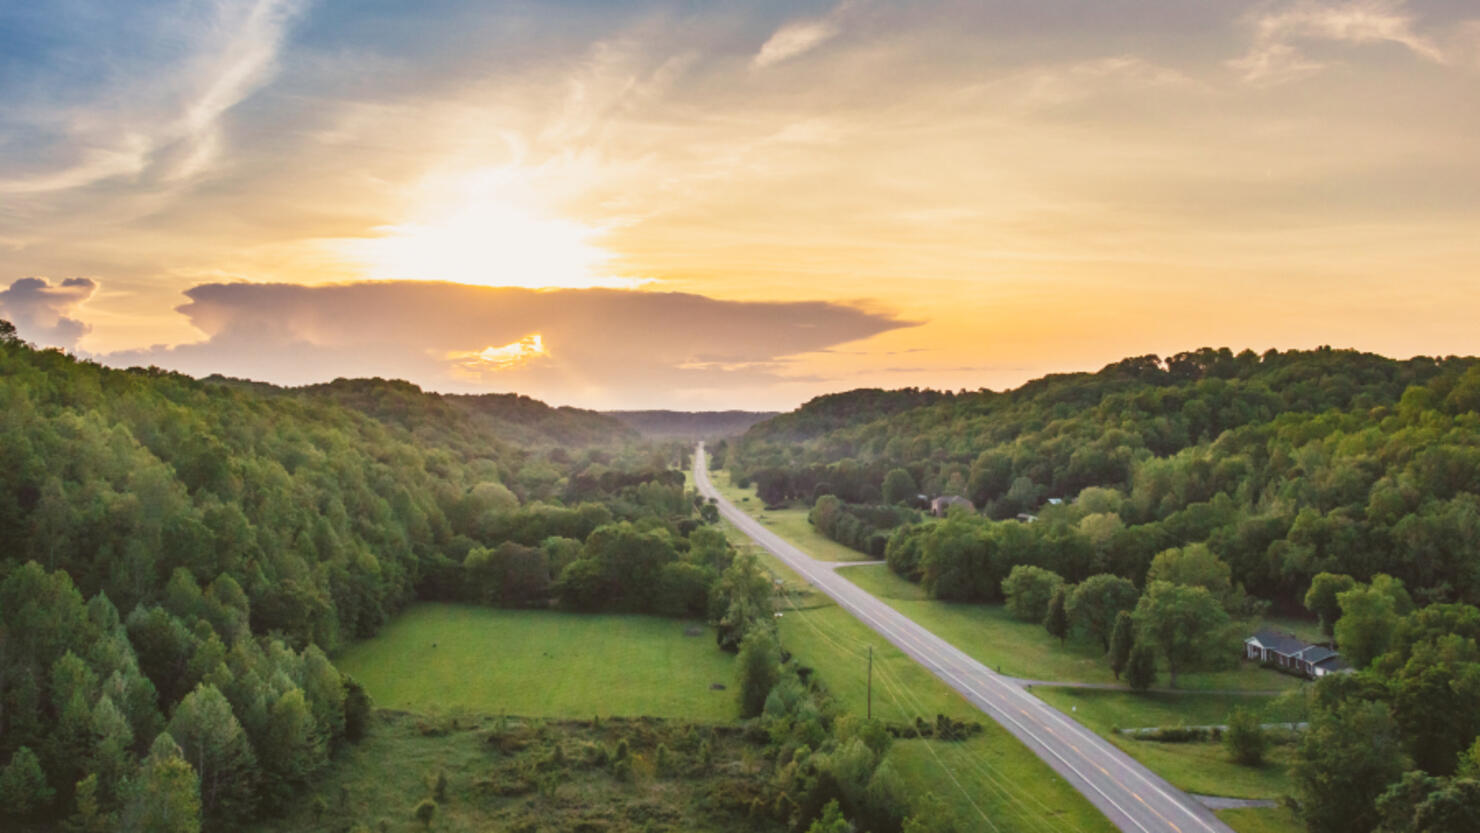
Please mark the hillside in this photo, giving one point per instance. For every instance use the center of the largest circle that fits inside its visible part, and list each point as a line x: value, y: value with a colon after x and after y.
x: 1285, y: 464
x: 690, y: 425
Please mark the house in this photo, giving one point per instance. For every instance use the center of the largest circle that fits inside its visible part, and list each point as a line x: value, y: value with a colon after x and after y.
x: 1026, y: 518
x: 942, y: 505
x: 1283, y: 650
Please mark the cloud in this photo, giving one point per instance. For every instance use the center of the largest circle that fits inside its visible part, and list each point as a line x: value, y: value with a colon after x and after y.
x: 590, y: 346
x: 152, y: 112
x: 1274, y: 58
x: 41, y: 312
x: 798, y: 37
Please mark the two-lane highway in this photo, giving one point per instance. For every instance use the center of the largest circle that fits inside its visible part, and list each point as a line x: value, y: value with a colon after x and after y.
x: 1131, y: 796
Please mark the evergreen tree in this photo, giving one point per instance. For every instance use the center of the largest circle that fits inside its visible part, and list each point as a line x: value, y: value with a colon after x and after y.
x: 1056, y: 620
x: 1122, y: 640
x: 212, y: 740
x: 23, y: 787
x: 1140, y: 669
x: 165, y: 795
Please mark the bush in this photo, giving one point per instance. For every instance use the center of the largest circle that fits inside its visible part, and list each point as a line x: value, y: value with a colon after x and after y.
x: 425, y: 812
x: 1245, y: 739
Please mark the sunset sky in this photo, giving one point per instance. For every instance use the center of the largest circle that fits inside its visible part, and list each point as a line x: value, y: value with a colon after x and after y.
x: 734, y: 204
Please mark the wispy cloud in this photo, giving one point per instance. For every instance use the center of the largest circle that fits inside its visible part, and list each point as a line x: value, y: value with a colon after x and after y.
x: 799, y: 37
x: 153, y: 114
x: 1275, y: 56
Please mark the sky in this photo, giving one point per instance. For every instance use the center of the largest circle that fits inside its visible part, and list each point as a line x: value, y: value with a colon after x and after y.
x: 707, y: 205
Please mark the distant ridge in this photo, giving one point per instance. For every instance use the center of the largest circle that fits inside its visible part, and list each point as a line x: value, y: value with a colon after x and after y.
x: 690, y: 425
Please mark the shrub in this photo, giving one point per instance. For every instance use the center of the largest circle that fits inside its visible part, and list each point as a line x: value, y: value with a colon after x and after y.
x: 1245, y: 739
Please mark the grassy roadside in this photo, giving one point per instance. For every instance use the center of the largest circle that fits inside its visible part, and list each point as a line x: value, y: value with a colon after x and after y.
x: 1025, y: 649
x: 1260, y: 820
x: 1196, y: 767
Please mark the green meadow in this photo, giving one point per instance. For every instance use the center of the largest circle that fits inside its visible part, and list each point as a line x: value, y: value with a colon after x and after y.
x: 541, y: 663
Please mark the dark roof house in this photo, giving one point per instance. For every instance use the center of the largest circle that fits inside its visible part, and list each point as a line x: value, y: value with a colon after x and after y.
x: 1284, y: 650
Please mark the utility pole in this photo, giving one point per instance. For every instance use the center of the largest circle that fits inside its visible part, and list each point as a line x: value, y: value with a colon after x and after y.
x: 870, y: 682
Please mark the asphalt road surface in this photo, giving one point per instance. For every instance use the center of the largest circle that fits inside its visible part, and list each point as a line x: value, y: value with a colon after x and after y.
x: 1131, y: 796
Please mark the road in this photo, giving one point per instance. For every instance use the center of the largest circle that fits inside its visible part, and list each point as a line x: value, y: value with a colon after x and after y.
x: 1135, y: 799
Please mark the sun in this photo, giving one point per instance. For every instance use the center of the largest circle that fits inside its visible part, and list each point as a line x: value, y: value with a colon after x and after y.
x: 483, y: 228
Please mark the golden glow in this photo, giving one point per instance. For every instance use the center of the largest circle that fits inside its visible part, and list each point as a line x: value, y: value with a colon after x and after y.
x: 482, y: 228
x: 474, y: 365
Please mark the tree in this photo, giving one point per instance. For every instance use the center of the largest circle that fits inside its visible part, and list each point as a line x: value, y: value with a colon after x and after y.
x: 1028, y: 590
x: 831, y: 820
x: 1186, y: 624
x: 1453, y: 808
x: 165, y: 796
x: 759, y: 667
x: 1140, y: 669
x: 23, y: 787
x: 1196, y: 566
x: 738, y: 601
x: 1097, y: 603
x: 213, y: 741
x: 1056, y: 619
x: 1321, y: 599
x: 1369, y: 618
x: 1346, y: 759
x: 1122, y: 640
x: 899, y: 487
x: 1244, y: 738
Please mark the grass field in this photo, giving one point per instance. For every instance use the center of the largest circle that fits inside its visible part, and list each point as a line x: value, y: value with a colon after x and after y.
x: 1025, y: 649
x: 1196, y: 767
x: 542, y: 663
x: 791, y: 523
x: 1257, y: 820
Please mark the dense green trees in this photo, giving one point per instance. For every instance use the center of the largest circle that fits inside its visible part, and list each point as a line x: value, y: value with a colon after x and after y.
x: 179, y: 555
x: 1283, y: 466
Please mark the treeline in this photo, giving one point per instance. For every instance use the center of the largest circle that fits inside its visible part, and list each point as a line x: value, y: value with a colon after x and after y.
x: 178, y: 555
x: 1285, y: 465
x: 864, y: 527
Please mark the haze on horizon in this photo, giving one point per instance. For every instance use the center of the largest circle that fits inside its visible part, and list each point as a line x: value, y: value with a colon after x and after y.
x: 693, y: 205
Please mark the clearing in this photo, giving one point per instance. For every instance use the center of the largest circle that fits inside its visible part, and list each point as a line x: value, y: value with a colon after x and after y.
x: 442, y: 657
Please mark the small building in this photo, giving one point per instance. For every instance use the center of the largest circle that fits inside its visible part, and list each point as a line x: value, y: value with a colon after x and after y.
x: 1286, y: 651
x: 943, y: 504
x: 1026, y: 518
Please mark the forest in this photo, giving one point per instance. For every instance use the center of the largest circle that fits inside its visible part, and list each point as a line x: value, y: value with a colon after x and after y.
x: 181, y: 557
x: 1161, y: 506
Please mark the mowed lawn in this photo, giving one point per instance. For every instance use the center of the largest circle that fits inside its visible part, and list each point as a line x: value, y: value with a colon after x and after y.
x: 1024, y: 649
x: 438, y: 657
